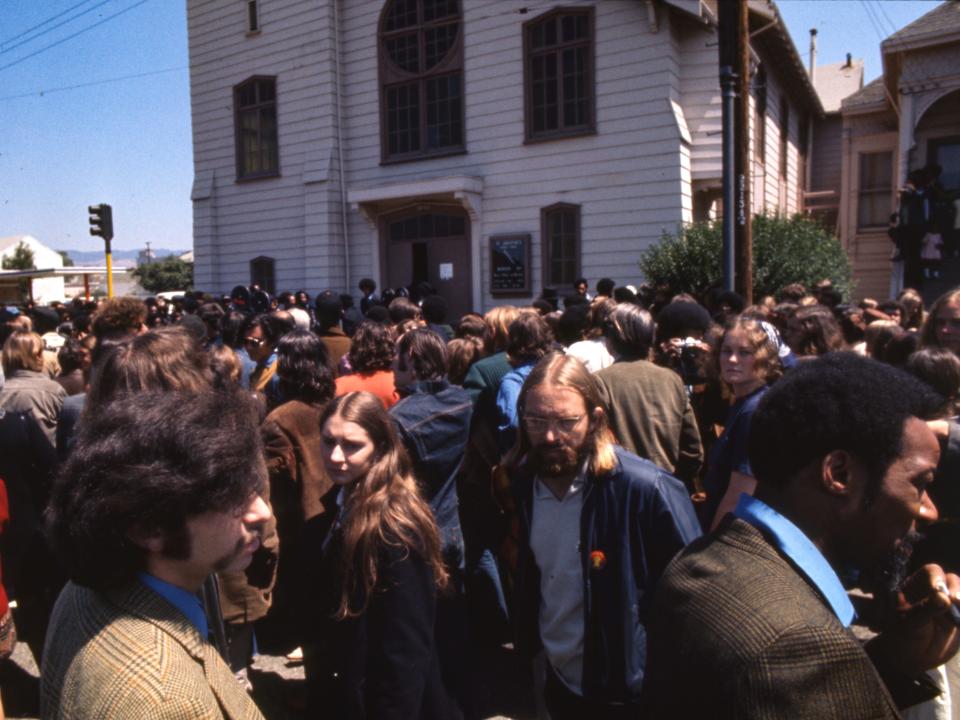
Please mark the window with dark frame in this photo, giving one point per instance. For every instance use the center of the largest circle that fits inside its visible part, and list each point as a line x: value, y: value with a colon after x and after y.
x: 255, y: 105
x: 559, y: 74
x: 253, y: 16
x: 560, y: 241
x: 262, y: 273
x: 784, y: 135
x: 760, y: 116
x: 875, y: 189
x: 421, y: 79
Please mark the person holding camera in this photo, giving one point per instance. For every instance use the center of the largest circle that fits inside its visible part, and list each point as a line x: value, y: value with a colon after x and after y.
x: 650, y: 413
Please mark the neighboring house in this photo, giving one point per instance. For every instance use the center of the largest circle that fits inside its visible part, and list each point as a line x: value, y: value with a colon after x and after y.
x: 493, y: 149
x: 43, y: 290
x: 902, y: 121
x: 833, y: 82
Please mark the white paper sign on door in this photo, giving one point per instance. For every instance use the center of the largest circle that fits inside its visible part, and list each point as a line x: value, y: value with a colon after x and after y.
x: 446, y: 271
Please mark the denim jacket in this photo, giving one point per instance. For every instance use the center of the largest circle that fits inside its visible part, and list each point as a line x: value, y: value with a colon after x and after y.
x: 634, y: 520
x: 433, y: 418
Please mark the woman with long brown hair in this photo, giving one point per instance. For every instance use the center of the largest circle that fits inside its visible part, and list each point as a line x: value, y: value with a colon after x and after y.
x: 371, y: 651
x: 942, y: 326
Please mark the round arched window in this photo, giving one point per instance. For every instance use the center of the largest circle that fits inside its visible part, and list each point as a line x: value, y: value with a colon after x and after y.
x: 421, y: 78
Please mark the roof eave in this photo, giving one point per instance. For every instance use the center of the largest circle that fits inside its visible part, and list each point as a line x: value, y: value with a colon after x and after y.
x: 771, y: 12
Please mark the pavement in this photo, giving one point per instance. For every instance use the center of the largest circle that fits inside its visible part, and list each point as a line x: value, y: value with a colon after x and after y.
x: 279, y: 687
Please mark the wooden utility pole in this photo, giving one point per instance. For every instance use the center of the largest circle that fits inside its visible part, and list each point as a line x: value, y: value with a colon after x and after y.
x: 734, y: 56
x: 743, y: 236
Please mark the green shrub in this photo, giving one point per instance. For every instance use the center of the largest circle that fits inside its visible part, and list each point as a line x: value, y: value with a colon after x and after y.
x: 785, y: 250
x: 169, y: 273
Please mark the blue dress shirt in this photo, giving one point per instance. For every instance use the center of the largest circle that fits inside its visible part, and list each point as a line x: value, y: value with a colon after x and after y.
x: 186, y: 602
x: 791, y: 541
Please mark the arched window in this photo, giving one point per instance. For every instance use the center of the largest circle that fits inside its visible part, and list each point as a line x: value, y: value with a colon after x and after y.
x: 421, y: 79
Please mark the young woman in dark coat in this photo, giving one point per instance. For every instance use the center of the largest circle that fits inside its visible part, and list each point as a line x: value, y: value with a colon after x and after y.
x: 371, y: 602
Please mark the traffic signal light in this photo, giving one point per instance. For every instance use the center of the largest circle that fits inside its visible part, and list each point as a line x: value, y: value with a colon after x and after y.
x: 101, y: 221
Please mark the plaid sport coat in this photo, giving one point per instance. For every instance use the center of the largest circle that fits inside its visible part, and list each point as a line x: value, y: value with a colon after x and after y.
x: 737, y: 632
x: 128, y: 653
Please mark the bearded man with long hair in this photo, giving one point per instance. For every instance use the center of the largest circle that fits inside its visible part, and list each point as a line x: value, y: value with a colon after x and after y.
x: 597, y: 526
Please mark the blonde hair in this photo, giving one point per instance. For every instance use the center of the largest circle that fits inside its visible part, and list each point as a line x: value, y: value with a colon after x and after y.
x: 383, y: 508
x: 23, y: 350
x: 499, y: 319
x: 766, y: 355
x: 565, y: 371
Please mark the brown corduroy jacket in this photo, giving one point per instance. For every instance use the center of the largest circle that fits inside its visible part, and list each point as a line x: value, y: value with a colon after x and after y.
x: 128, y: 653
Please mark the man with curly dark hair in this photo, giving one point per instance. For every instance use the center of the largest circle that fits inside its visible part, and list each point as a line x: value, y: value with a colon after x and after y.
x: 160, y: 491
x: 119, y: 317
x: 298, y: 478
x: 756, y: 611
x: 371, y: 358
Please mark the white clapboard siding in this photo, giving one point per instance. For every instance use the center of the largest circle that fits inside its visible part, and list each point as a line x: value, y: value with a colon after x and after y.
x: 632, y: 179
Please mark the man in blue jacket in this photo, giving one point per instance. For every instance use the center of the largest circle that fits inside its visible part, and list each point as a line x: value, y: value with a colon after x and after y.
x: 433, y: 421
x: 598, y: 525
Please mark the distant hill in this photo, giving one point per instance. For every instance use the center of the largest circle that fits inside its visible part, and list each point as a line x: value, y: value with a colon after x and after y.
x: 95, y: 257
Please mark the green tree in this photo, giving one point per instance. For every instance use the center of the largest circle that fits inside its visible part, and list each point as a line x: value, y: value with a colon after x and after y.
x: 21, y: 259
x: 67, y: 260
x: 785, y: 250
x: 169, y: 273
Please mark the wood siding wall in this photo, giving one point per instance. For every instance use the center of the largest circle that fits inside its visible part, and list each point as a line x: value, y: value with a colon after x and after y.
x: 869, y: 250
x: 826, y: 161
x: 627, y: 178
x: 632, y: 179
x: 292, y: 218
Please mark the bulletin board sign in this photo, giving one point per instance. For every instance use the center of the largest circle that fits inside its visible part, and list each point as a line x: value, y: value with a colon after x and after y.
x: 510, y: 265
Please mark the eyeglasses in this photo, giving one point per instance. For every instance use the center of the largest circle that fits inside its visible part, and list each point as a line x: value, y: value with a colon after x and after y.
x: 253, y: 342
x: 564, y: 426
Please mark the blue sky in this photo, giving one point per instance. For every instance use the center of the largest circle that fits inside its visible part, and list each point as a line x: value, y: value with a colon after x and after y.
x: 127, y: 141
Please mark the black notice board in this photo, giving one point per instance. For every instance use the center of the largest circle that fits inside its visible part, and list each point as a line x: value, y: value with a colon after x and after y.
x: 510, y: 265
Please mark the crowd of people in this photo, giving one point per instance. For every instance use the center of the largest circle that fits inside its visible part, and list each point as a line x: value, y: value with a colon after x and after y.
x: 660, y: 500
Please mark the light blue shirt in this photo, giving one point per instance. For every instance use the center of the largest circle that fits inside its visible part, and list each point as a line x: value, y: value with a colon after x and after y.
x: 186, y: 602
x: 507, y: 397
x: 791, y: 541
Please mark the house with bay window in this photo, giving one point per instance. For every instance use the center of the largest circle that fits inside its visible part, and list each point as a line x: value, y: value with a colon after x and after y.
x: 493, y: 148
x: 905, y: 120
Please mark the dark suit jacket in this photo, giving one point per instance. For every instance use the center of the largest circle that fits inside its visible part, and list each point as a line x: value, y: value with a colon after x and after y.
x: 737, y: 632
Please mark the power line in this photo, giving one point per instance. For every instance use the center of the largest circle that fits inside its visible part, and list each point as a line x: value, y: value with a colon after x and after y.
x: 105, y: 81
x: 48, y: 20
x: 893, y: 28
x: 51, y: 29
x: 70, y: 37
x: 873, y: 22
